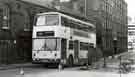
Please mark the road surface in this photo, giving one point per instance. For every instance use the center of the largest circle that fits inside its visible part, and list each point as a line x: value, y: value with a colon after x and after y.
x: 67, y: 72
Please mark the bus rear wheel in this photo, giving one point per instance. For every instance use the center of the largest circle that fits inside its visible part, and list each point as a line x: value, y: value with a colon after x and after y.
x: 70, y: 61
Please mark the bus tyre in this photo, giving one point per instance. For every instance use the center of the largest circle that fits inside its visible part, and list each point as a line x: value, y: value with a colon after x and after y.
x: 46, y: 65
x: 70, y: 61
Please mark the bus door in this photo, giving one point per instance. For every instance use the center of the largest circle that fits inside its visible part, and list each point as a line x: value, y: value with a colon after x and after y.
x: 76, y: 50
x: 90, y: 53
x: 63, y: 49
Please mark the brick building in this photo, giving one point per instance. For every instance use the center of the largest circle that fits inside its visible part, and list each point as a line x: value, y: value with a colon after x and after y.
x: 113, y: 16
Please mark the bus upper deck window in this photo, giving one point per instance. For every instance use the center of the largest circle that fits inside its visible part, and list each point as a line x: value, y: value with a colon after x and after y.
x: 52, y: 19
x: 47, y: 20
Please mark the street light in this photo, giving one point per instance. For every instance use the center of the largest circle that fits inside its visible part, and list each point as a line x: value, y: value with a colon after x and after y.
x: 85, y: 8
x: 115, y: 46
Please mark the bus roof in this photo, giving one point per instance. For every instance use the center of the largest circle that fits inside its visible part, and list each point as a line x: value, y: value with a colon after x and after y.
x: 68, y: 16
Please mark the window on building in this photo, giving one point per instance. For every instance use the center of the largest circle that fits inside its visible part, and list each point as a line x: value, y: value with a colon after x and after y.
x: 4, y: 15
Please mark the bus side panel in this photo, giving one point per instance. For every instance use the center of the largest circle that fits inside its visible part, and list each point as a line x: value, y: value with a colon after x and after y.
x: 83, y: 57
x: 90, y: 58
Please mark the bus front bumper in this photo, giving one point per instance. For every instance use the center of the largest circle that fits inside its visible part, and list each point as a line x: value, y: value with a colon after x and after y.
x: 46, y: 61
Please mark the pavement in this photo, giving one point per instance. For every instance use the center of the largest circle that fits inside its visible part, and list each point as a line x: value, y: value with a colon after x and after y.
x: 13, y: 66
x: 77, y: 73
x: 67, y: 72
x: 112, y: 64
x: 87, y: 74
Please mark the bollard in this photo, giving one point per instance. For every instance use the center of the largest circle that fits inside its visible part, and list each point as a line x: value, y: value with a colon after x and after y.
x: 21, y: 71
x: 87, y: 66
x: 60, y: 67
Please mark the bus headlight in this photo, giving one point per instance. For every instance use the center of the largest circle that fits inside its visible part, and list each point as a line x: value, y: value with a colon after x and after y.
x: 63, y: 61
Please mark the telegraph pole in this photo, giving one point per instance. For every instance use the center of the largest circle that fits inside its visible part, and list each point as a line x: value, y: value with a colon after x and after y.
x: 85, y: 8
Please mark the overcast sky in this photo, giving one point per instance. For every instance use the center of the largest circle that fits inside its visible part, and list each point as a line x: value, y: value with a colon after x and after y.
x: 131, y: 7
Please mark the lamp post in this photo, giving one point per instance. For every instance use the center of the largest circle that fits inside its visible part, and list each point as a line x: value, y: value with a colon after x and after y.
x: 114, y: 46
x: 85, y: 8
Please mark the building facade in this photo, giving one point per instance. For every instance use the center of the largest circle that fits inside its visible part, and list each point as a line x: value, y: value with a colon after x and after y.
x: 113, y: 16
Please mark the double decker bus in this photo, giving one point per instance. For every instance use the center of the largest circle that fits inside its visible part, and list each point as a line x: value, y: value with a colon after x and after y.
x: 59, y: 38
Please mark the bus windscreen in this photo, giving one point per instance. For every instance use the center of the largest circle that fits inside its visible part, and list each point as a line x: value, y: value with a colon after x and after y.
x: 45, y: 44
